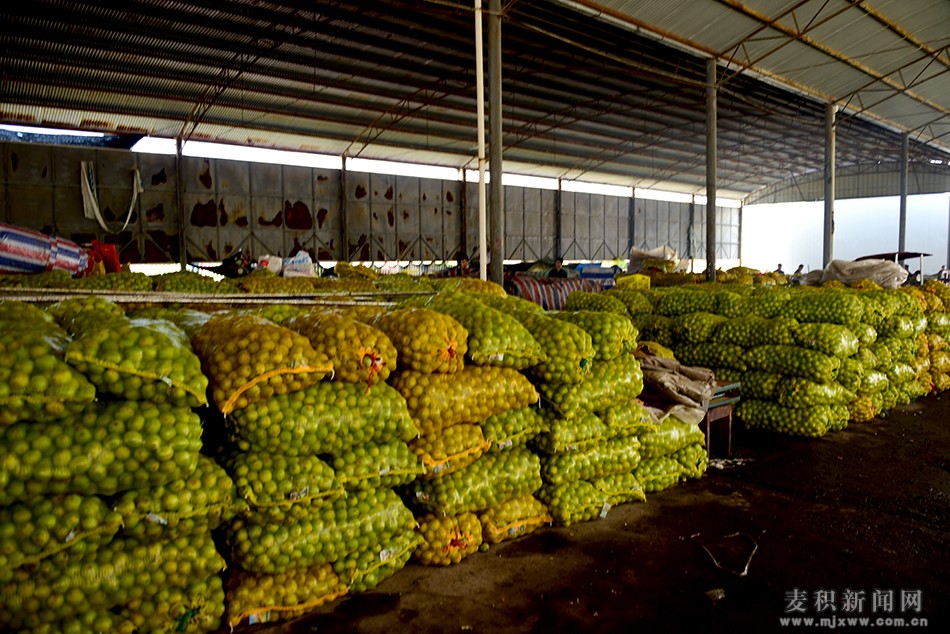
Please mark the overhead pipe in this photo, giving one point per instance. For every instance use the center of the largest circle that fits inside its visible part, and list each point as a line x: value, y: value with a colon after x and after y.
x: 480, y: 99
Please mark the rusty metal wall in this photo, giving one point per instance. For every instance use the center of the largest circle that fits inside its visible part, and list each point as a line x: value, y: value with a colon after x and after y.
x: 401, y: 218
x: 229, y: 205
x: 260, y: 208
x: 42, y: 191
x: 278, y: 210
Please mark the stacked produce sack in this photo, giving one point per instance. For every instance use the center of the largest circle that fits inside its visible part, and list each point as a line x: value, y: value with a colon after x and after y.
x: 809, y: 359
x: 459, y: 373
x: 937, y: 296
x: 317, y: 461
x: 589, y: 381
x: 674, y: 450
x: 107, y: 504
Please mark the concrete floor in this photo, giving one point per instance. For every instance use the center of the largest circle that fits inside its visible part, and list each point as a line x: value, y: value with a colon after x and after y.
x: 867, y: 509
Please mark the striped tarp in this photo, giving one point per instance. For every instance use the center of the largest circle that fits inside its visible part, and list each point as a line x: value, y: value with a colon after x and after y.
x: 550, y: 293
x: 27, y: 251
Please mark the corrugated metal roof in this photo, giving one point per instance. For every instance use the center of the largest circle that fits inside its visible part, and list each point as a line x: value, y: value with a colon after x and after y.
x: 886, y: 60
x: 611, y: 91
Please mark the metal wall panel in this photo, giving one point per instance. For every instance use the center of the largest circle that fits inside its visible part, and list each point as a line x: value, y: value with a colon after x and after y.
x: 272, y: 209
x: 598, y: 246
x: 548, y: 224
x: 408, y: 215
x: 525, y: 213
x: 575, y: 226
x: 441, y: 219
x: 401, y: 218
x: 660, y: 222
x: 514, y: 222
x: 593, y: 226
x: 727, y: 233
x: 358, y: 236
x: 158, y: 207
x: 327, y: 206
x: 535, y: 201
x: 856, y: 182
x: 29, y: 187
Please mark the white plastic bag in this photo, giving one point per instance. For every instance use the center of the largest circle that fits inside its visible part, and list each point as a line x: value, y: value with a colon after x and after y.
x: 272, y: 263
x: 639, y: 256
x: 884, y: 272
x: 300, y: 265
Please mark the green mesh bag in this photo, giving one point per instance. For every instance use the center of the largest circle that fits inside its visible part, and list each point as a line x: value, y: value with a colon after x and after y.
x: 574, y: 502
x: 375, y: 466
x: 107, y: 449
x: 490, y: 480
x: 472, y: 395
x: 611, y: 334
x: 494, y: 337
x: 793, y: 361
x: 826, y: 306
x: 196, y: 504
x: 617, y: 455
x: 325, y: 418
x: 610, y: 383
x: 513, y: 428
x: 270, y: 544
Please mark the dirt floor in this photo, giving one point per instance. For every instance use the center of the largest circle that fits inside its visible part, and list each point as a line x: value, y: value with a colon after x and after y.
x: 864, y: 510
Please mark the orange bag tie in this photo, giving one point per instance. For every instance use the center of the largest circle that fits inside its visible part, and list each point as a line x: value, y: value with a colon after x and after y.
x: 451, y: 349
x: 375, y: 366
x: 459, y: 541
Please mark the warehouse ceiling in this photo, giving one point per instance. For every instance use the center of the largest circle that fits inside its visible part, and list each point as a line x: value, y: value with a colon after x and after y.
x: 611, y: 92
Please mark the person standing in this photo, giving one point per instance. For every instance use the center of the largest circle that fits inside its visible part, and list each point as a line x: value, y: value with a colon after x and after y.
x: 558, y: 270
x: 463, y: 269
x: 779, y: 269
x: 944, y: 275
x: 799, y: 274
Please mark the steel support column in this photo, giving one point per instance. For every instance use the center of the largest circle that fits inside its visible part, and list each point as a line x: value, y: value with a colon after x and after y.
x: 180, y: 199
x: 831, y: 111
x: 711, y: 94
x: 558, y: 245
x: 497, y: 196
x: 480, y: 114
x: 902, y: 229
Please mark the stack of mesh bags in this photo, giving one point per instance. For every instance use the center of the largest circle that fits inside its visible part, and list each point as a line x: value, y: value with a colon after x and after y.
x: 801, y: 371
x: 893, y: 344
x: 589, y: 384
x: 317, y: 467
x: 672, y: 451
x: 809, y: 359
x: 934, y: 345
x: 472, y: 407
x: 107, y: 505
